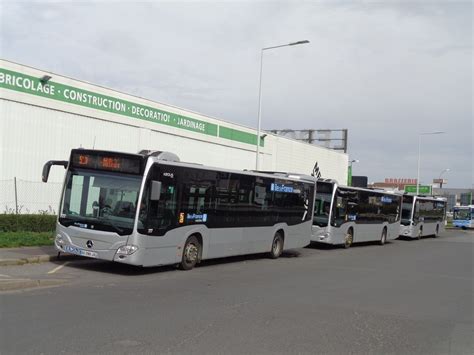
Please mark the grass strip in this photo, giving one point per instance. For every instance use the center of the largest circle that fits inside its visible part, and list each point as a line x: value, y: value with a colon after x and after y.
x: 25, y: 239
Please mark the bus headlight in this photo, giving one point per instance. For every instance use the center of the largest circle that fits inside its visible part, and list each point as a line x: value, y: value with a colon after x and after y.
x: 324, y: 236
x: 60, y: 241
x: 127, y: 250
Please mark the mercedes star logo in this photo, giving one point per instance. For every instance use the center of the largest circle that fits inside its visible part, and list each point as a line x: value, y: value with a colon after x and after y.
x: 89, y: 244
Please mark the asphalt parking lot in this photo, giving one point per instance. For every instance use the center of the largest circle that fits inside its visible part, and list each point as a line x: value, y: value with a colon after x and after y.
x: 404, y: 297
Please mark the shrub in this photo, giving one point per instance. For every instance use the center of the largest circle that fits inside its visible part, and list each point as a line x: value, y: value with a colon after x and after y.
x: 27, y: 222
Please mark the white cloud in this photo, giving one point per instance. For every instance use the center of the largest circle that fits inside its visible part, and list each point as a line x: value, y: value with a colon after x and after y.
x: 385, y: 70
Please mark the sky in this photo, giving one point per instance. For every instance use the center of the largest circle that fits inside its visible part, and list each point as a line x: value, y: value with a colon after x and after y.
x: 385, y: 70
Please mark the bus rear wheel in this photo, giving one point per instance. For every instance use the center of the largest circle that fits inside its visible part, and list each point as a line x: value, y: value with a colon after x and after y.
x: 383, y: 238
x: 348, y: 239
x: 191, y: 252
x: 277, y: 246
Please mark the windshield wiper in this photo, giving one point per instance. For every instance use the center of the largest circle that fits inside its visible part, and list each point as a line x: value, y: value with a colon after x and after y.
x: 112, y: 224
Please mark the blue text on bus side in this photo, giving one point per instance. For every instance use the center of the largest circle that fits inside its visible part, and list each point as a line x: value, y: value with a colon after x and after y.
x: 386, y: 199
x: 197, y: 217
x: 281, y: 188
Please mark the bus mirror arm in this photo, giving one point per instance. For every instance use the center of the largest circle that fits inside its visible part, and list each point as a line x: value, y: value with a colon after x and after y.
x: 155, y: 190
x: 47, y: 167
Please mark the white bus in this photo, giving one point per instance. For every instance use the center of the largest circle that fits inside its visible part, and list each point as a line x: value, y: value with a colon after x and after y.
x: 463, y: 216
x: 422, y: 216
x: 150, y: 209
x: 346, y: 215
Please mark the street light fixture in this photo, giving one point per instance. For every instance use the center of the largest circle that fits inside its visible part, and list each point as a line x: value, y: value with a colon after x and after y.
x: 260, y: 94
x: 419, y: 156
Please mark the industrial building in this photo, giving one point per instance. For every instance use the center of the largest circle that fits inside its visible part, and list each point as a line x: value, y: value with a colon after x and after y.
x: 44, y: 115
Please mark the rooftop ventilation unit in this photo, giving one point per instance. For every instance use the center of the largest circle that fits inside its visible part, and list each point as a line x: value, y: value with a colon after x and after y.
x: 168, y: 156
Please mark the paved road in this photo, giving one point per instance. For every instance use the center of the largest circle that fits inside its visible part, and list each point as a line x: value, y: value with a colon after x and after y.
x: 404, y: 297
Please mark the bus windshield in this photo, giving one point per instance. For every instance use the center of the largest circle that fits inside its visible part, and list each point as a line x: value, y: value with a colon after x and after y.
x: 322, y: 203
x: 100, y: 200
x: 462, y: 214
x: 407, y: 207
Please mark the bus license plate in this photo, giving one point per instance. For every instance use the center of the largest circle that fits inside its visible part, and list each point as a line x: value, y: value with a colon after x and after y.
x: 81, y: 252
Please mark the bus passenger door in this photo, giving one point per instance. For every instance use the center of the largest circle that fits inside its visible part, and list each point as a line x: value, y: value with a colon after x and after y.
x: 226, y: 235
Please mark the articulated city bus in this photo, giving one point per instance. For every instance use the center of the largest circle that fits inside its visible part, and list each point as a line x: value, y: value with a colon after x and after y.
x: 346, y: 215
x: 463, y: 216
x: 422, y: 216
x: 150, y: 209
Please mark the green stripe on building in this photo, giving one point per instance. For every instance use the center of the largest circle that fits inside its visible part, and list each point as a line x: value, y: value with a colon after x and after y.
x: 239, y: 136
x: 15, y: 81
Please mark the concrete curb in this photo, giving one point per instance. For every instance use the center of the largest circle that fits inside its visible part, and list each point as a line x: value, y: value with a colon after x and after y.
x: 37, y: 259
x: 19, y: 284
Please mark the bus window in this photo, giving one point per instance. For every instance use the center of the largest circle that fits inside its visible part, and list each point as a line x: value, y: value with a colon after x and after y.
x: 197, y: 196
x: 157, y: 217
x: 340, y: 210
x: 322, y: 204
x: 462, y: 214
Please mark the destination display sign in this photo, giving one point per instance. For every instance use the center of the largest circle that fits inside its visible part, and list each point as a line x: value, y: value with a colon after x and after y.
x: 104, y: 161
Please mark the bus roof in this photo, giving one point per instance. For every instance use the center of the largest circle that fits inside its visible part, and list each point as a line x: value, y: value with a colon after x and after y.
x: 292, y: 177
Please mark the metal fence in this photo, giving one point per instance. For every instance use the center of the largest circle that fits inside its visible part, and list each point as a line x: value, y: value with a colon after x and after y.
x: 23, y: 196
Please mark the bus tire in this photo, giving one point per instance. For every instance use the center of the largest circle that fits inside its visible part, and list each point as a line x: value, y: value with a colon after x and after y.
x: 277, y: 246
x: 436, y: 231
x: 191, y: 252
x: 420, y: 232
x: 349, y: 239
x: 383, y: 237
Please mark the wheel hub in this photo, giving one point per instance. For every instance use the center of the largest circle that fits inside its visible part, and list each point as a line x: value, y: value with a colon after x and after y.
x: 191, y: 253
x: 276, y: 246
x: 348, y: 239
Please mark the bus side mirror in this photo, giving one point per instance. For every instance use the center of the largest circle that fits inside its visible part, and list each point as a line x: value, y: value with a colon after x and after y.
x: 47, y: 167
x: 155, y: 190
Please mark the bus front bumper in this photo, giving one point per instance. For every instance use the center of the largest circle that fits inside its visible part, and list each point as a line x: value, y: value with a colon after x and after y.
x: 406, y: 231
x: 125, y: 254
x: 321, y: 236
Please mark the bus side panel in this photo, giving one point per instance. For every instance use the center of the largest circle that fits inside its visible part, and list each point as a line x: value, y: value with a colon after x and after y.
x: 372, y: 232
x: 393, y: 230
x: 333, y: 235
x: 297, y: 236
x: 168, y: 249
x: 367, y: 232
x: 225, y: 242
x: 429, y: 228
x: 258, y: 239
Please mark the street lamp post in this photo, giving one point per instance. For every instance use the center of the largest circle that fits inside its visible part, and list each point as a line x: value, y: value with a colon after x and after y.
x: 439, y: 178
x: 349, y: 178
x: 419, y: 157
x: 260, y: 94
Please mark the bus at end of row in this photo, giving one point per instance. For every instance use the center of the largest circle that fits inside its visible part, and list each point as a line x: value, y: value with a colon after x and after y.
x: 463, y: 217
x: 150, y: 209
x: 345, y: 215
x: 422, y: 216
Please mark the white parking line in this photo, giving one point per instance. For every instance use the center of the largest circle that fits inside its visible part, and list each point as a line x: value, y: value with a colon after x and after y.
x: 1, y: 275
x: 58, y: 268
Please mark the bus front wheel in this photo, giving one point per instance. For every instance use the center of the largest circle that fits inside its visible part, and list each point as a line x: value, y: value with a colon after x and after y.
x: 420, y: 232
x: 348, y: 239
x: 191, y: 252
x: 383, y: 238
x: 277, y: 246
